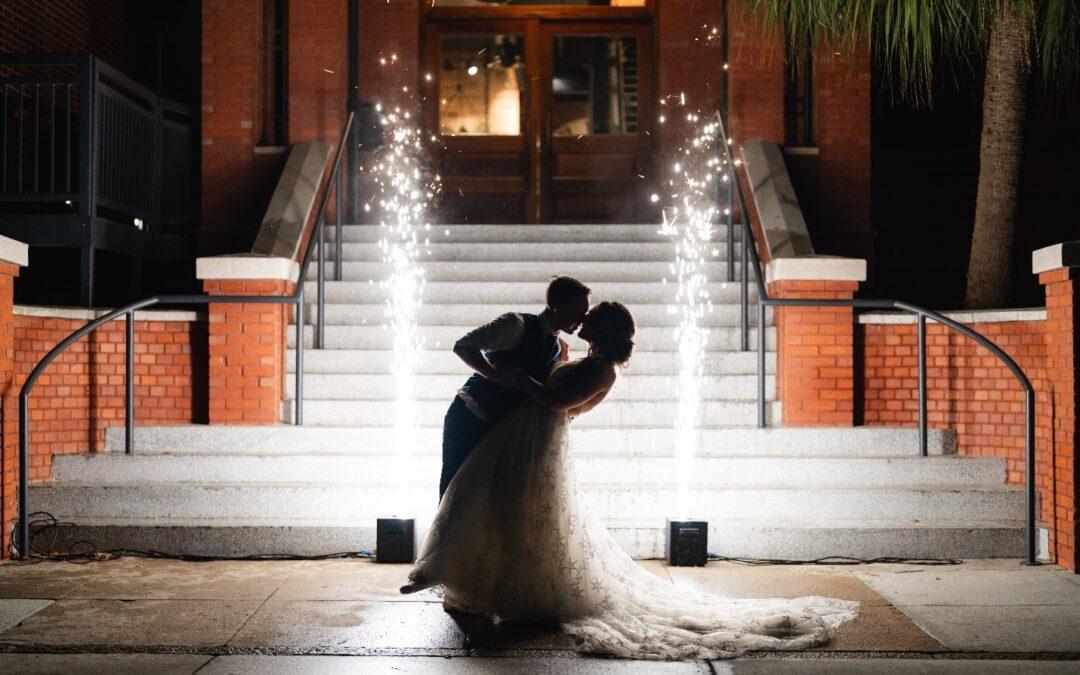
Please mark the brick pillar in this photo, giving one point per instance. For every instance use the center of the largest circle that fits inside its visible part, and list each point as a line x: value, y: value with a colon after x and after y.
x: 247, y: 341
x: 13, y: 255
x: 815, y: 364
x: 1058, y: 268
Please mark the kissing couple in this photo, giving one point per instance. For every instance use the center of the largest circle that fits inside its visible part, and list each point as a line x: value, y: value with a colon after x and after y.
x: 514, y: 539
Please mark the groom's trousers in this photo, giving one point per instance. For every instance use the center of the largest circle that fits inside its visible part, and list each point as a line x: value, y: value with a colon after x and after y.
x: 462, y: 430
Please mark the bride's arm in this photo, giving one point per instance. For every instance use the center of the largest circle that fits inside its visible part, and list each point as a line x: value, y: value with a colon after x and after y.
x: 577, y: 389
x: 587, y: 405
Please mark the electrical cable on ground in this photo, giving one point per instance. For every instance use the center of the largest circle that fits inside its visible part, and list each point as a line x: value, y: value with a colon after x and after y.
x: 836, y: 560
x: 45, y: 526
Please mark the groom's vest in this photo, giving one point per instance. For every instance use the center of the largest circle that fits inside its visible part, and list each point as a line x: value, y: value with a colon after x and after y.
x: 536, y: 353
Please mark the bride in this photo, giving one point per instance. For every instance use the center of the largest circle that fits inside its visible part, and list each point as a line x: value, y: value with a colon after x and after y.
x: 513, y: 538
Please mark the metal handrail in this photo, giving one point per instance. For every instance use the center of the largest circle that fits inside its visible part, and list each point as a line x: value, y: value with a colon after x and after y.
x: 333, y: 183
x: 749, y: 250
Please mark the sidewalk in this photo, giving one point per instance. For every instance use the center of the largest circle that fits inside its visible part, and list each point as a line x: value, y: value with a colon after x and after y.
x: 135, y: 615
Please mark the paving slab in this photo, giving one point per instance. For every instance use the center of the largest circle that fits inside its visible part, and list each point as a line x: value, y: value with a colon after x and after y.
x: 93, y: 664
x: 319, y: 665
x: 318, y: 627
x: 878, y: 626
x: 351, y: 580
x: 12, y: 611
x: 135, y: 578
x: 135, y: 623
x: 932, y: 586
x: 774, y: 581
x: 42, y: 579
x: 881, y: 628
x: 993, y: 628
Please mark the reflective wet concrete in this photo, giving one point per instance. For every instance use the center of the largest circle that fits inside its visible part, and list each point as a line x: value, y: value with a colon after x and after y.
x: 163, y: 616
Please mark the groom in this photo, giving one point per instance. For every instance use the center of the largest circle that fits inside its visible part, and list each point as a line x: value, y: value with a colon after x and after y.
x: 528, y: 341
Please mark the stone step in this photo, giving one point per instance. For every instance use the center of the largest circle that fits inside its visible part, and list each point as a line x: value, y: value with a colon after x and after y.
x: 444, y: 361
x: 643, y: 538
x: 529, y: 294
x: 611, y: 251
x: 362, y: 501
x: 372, y: 440
x: 647, y: 338
x: 538, y: 271
x: 320, y: 412
x: 374, y: 314
x: 443, y: 388
x: 641, y: 470
x: 591, y: 232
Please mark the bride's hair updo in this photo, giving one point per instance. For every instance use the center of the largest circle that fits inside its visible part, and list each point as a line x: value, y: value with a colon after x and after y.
x: 618, y: 342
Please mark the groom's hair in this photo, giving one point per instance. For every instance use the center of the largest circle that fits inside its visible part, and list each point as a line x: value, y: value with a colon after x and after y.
x: 562, y: 289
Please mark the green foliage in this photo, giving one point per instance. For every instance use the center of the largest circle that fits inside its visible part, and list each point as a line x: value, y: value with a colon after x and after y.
x: 910, y: 38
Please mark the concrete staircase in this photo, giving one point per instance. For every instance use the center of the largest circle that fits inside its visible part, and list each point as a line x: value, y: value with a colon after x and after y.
x: 791, y: 493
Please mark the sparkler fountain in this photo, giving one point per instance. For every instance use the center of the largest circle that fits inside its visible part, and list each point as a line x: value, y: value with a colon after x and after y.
x: 403, y: 197
x: 689, y: 219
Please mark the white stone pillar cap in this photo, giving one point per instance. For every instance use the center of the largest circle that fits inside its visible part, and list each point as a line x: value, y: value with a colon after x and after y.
x: 14, y: 252
x: 815, y: 268
x: 247, y: 266
x: 1054, y: 257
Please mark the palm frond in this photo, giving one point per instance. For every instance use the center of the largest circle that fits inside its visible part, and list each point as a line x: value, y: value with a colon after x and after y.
x: 910, y: 38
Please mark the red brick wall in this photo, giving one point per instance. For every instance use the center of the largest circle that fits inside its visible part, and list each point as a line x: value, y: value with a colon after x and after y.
x: 233, y: 191
x: 82, y: 392
x: 385, y: 29
x: 689, y: 63
x: 9, y: 459
x: 96, y: 26
x: 970, y: 391
x: 1063, y: 358
x: 247, y: 352
x: 237, y: 182
x: 318, y: 68
x: 842, y: 89
x: 814, y: 355
x: 756, y: 71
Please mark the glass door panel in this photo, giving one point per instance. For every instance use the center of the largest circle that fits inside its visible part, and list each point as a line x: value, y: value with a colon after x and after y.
x: 481, y: 85
x: 594, y: 85
x: 597, y: 151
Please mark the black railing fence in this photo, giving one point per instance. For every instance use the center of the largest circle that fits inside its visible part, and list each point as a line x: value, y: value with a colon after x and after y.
x: 732, y: 195
x: 315, y: 248
x: 91, y: 159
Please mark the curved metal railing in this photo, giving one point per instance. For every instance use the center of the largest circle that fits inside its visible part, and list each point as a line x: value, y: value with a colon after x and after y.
x: 316, y: 241
x: 749, y: 252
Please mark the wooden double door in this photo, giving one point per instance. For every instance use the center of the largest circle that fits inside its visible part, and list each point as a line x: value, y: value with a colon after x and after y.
x: 541, y: 121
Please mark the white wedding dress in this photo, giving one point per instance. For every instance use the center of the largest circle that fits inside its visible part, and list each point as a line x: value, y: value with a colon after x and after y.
x: 514, y: 539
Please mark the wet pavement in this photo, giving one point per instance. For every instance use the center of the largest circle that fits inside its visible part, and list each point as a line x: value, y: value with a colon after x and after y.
x: 166, y: 616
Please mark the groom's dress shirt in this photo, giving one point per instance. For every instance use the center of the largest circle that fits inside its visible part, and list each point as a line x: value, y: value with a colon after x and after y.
x: 500, y: 335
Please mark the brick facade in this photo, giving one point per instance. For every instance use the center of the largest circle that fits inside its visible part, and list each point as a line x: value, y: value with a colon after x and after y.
x: 96, y: 26
x: 318, y: 68
x: 815, y: 355
x: 9, y: 427
x: 235, y: 181
x: 842, y: 94
x: 1058, y: 412
x: 681, y: 32
x: 756, y: 72
x: 247, y: 352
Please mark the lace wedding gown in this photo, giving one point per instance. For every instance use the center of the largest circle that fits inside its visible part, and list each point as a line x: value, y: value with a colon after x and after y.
x: 514, y: 539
